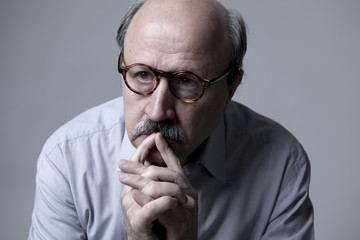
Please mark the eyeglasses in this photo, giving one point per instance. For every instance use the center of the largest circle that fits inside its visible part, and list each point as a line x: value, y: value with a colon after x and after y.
x: 184, y: 85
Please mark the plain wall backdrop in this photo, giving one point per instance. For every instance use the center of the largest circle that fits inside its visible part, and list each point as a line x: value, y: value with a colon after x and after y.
x: 58, y: 58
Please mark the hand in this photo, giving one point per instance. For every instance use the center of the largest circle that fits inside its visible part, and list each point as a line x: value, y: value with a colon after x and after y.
x: 154, y: 195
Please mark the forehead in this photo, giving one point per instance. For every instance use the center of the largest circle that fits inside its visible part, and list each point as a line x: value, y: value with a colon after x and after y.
x: 177, y: 33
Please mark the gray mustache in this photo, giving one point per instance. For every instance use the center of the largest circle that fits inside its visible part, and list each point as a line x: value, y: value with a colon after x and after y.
x: 167, y: 128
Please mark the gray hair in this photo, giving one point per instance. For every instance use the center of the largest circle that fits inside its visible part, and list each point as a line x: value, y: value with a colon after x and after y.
x: 125, y: 24
x: 236, y: 29
x: 237, y: 34
x: 167, y: 128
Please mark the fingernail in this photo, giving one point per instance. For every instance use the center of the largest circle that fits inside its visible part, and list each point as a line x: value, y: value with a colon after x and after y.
x: 123, y: 177
x: 122, y: 163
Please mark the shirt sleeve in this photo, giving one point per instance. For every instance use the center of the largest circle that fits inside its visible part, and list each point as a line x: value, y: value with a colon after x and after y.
x: 292, y: 217
x: 54, y: 215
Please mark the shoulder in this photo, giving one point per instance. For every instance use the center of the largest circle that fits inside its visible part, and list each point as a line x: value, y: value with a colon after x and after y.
x: 242, y: 121
x: 264, y: 146
x: 262, y: 141
x: 96, y: 120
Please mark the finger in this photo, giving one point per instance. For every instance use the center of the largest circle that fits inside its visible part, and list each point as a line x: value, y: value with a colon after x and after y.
x: 165, y: 175
x: 137, y: 223
x: 143, y: 149
x: 131, y: 167
x: 154, y: 189
x: 140, y: 198
x: 134, y: 181
x: 153, y: 172
x: 169, y: 157
x: 125, y: 191
x: 127, y: 200
x: 152, y: 210
x: 160, y: 189
x: 173, y: 163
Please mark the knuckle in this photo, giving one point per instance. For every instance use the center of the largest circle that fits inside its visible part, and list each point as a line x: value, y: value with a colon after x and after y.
x: 151, y: 188
x: 149, y: 208
x: 181, y: 181
x: 135, y: 223
x: 177, y: 189
x: 150, y: 172
x: 125, y: 191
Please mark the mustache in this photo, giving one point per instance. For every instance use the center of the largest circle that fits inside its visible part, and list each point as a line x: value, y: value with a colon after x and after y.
x: 167, y: 128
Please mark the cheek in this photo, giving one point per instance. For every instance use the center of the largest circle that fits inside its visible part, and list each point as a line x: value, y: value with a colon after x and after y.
x: 201, y: 121
x: 205, y: 116
x: 133, y: 111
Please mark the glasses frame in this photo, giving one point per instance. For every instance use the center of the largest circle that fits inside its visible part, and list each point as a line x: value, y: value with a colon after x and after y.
x: 205, y: 83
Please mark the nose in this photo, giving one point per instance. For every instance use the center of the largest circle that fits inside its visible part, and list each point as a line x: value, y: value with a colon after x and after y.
x: 161, y: 103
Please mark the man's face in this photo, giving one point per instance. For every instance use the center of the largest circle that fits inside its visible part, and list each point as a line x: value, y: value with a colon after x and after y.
x: 169, y: 42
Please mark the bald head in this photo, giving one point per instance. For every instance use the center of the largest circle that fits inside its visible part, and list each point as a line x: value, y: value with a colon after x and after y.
x: 180, y: 25
x: 190, y: 29
x: 191, y: 6
x: 202, y: 16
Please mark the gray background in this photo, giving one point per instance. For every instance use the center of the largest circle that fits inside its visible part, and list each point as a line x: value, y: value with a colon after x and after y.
x: 58, y: 58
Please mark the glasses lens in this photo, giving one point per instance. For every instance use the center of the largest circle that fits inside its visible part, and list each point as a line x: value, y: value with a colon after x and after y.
x: 141, y: 79
x: 186, y: 86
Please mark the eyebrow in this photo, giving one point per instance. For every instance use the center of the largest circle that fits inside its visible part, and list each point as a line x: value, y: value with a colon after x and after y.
x: 198, y: 71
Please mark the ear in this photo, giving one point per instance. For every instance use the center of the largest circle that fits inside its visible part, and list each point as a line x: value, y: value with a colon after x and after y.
x: 237, y: 78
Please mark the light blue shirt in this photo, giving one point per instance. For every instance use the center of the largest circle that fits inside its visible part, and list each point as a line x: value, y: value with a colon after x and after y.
x: 251, y: 175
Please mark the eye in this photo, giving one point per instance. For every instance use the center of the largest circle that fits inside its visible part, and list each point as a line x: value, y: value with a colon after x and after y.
x: 140, y: 74
x: 186, y: 86
x: 144, y: 76
x: 186, y: 82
